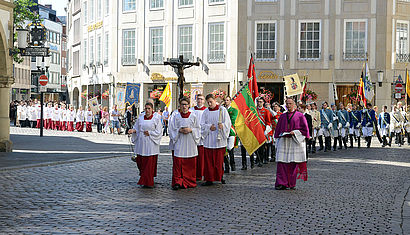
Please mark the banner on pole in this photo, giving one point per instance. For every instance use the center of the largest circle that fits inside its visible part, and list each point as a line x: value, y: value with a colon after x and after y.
x: 196, y: 89
x: 120, y: 98
x: 292, y: 85
x: 93, y: 104
x: 132, y: 93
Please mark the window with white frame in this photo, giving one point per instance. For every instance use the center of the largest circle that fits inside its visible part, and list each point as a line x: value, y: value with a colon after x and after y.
x: 91, y: 50
x: 186, y: 2
x: 99, y: 45
x: 128, y: 5
x: 76, y: 63
x: 216, y: 1
x: 157, y: 4
x: 402, y: 42
x: 309, y: 40
x: 355, y: 40
x: 107, y: 7
x: 216, y: 45
x: 85, y: 52
x: 106, y: 47
x: 99, y: 9
x: 128, y: 47
x: 266, y: 41
x: 185, y: 41
x: 156, y: 45
x: 85, y: 12
x: 91, y: 7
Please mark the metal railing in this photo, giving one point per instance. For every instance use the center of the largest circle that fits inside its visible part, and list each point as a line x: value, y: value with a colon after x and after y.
x: 402, y: 58
x: 354, y: 56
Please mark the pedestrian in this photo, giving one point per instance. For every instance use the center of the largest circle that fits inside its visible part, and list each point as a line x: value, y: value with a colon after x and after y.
x: 291, y: 133
x: 384, y: 125
x: 115, y: 122
x: 198, y: 110
x: 276, y: 115
x: 146, y: 135
x: 336, y: 127
x: 215, y: 125
x: 369, y: 118
x: 55, y: 118
x: 63, y: 117
x: 344, y: 124
x: 165, y: 117
x: 407, y: 124
x: 79, y: 120
x: 266, y: 117
x: 32, y: 115
x: 185, y: 134
x: 13, y: 112
x: 98, y: 117
x: 88, y: 120
x: 105, y: 121
x: 128, y: 118
x: 397, y: 124
x: 49, y: 115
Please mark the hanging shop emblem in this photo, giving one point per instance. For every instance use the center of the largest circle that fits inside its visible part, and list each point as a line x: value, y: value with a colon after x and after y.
x: 160, y: 77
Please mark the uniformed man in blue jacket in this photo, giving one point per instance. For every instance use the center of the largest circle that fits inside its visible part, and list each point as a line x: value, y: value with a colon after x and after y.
x: 369, y: 118
x: 326, y: 117
x: 384, y: 124
x: 355, y: 125
x: 344, y: 124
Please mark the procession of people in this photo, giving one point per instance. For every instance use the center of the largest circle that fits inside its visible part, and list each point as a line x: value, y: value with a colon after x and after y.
x: 203, y: 139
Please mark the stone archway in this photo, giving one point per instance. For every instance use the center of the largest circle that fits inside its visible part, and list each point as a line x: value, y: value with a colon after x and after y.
x: 6, y: 72
x: 76, y: 97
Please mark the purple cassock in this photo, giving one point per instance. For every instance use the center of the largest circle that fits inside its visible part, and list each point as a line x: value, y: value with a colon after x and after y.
x: 291, y: 149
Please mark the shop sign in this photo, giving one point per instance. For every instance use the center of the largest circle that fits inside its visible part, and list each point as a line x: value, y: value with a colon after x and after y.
x: 268, y: 75
x: 95, y: 26
x: 160, y: 77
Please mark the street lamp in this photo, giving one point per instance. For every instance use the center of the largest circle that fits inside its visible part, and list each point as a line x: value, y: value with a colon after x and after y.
x: 380, y: 76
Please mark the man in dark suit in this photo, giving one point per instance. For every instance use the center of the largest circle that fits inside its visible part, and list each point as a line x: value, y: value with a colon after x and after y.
x: 302, y: 109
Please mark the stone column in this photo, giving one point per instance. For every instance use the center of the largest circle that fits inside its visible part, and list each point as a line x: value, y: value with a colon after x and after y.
x: 5, y: 143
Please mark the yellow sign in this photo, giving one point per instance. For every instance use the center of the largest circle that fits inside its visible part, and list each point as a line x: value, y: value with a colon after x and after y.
x: 166, y: 96
x: 160, y: 77
x: 264, y: 75
x: 95, y: 26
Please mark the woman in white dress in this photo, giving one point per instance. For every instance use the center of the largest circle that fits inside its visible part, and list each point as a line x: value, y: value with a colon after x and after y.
x: 146, y: 135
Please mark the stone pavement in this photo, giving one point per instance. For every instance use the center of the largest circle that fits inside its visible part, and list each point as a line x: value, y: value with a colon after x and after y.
x: 353, y: 191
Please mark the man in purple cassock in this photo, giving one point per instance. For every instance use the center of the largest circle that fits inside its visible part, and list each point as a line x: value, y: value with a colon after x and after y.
x: 290, y: 134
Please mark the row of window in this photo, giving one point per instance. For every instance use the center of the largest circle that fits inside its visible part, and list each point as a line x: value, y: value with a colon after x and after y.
x: 53, y: 37
x: 130, y: 5
x: 89, y: 7
x: 54, y: 58
x: 54, y: 78
x: 90, y: 52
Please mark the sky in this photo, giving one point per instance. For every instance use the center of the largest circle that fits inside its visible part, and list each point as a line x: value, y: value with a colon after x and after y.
x: 58, y: 5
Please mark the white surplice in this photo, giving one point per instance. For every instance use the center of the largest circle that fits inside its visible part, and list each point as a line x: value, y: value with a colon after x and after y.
x: 70, y: 115
x: 210, y: 138
x: 199, y: 114
x: 89, y: 116
x: 56, y: 114
x: 147, y: 145
x: 185, y: 145
x: 171, y: 120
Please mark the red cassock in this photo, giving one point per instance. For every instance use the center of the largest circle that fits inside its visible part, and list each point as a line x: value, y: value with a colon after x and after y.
x: 184, y: 172
x: 49, y: 124
x: 63, y: 125
x: 88, y: 127
x: 147, y: 165
x: 200, y: 163
x: 70, y: 126
x: 79, y: 126
x: 213, y: 167
x: 38, y: 123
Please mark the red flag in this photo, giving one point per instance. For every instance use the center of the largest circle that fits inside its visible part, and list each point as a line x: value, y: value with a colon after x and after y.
x: 253, y: 85
x: 304, y: 87
x: 360, y: 92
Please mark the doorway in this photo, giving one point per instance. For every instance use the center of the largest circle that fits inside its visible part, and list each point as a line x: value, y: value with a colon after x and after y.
x: 277, y: 90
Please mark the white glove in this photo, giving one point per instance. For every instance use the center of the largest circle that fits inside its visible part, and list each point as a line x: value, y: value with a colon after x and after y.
x: 347, y: 124
x: 387, y: 126
x: 358, y: 125
x: 340, y: 126
x: 335, y: 118
x: 330, y: 126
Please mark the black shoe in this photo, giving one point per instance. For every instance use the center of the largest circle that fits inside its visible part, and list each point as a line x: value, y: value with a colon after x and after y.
x: 259, y: 164
x: 134, y: 159
x: 244, y: 168
x: 226, y: 170
x: 272, y: 159
x: 176, y: 187
x: 207, y: 183
x: 223, y: 181
x: 280, y: 187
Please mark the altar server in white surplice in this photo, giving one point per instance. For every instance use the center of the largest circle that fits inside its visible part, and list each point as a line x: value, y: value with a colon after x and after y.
x: 215, y: 126
x: 185, y: 132
x: 198, y: 110
x: 147, y: 133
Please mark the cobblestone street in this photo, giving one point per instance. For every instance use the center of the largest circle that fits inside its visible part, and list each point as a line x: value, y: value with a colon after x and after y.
x: 353, y: 191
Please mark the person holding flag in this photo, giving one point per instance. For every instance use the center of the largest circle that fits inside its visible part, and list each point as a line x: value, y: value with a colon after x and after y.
x: 232, y: 141
x: 266, y: 117
x: 355, y: 125
x: 369, y: 118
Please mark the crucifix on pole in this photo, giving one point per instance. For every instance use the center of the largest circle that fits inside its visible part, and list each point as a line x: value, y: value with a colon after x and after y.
x: 180, y: 65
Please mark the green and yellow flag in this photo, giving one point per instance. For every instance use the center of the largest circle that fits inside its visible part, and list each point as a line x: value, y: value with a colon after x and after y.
x: 166, y: 96
x: 248, y: 126
x: 407, y: 83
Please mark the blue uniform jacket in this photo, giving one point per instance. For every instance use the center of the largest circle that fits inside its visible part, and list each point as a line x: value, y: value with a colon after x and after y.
x: 335, y: 119
x: 329, y: 116
x: 355, y: 118
x: 343, y: 117
x: 384, y: 119
x: 368, y: 118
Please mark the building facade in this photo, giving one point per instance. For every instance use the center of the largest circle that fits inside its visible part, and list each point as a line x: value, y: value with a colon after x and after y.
x: 112, y: 43
x: 21, y: 89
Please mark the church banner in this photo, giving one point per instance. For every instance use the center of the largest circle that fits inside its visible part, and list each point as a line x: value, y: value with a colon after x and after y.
x: 93, y: 104
x: 120, y: 98
x: 196, y: 89
x: 292, y: 85
x: 132, y: 93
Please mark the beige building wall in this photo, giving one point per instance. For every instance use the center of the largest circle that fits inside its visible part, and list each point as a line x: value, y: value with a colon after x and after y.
x: 21, y: 89
x: 331, y: 66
